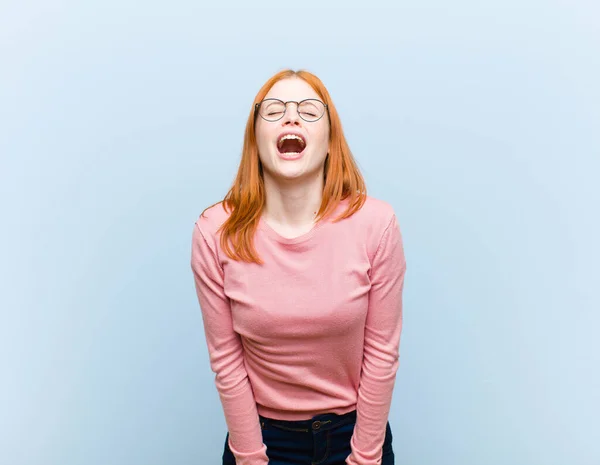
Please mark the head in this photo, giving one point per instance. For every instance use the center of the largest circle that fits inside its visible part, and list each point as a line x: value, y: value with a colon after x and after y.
x: 292, y: 130
x: 325, y: 153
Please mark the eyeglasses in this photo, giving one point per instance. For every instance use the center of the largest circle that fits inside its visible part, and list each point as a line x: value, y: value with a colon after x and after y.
x: 272, y: 109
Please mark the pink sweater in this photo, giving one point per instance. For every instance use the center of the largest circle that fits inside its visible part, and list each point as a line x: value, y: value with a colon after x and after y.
x: 315, y: 329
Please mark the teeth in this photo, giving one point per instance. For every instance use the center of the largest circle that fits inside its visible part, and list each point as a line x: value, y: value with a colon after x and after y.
x: 290, y: 136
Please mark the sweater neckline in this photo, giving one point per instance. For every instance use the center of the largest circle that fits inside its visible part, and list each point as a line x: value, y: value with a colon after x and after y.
x: 288, y: 240
x: 302, y: 238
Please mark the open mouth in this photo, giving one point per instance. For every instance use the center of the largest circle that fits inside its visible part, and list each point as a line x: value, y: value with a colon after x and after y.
x: 291, y: 144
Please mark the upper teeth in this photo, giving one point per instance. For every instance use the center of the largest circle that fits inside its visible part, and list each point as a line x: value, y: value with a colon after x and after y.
x: 290, y: 136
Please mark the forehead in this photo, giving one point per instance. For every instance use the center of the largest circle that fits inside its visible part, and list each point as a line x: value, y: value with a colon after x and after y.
x: 295, y: 89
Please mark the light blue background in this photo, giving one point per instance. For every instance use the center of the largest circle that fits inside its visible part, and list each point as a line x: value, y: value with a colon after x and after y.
x: 478, y: 121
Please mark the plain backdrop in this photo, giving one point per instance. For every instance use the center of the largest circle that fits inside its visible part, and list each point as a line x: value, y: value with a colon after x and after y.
x: 120, y: 121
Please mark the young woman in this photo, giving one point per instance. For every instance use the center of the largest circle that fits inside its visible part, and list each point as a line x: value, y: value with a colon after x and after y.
x: 299, y: 276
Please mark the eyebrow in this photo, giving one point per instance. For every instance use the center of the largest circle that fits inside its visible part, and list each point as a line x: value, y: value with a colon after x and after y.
x: 301, y: 100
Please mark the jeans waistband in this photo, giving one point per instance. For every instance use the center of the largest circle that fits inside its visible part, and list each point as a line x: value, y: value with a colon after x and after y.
x: 321, y: 422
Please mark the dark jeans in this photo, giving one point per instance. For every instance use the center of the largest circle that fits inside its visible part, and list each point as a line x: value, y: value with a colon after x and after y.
x: 323, y: 440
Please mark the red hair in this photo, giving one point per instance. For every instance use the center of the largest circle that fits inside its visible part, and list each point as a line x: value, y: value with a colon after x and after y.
x: 246, y: 198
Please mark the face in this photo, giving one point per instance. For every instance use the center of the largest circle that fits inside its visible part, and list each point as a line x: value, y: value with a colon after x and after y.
x: 278, y: 158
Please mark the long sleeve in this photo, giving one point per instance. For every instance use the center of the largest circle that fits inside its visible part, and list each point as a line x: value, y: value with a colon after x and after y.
x: 226, y: 354
x: 381, y: 348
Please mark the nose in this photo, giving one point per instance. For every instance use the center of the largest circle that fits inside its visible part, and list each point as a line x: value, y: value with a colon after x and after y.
x: 291, y: 114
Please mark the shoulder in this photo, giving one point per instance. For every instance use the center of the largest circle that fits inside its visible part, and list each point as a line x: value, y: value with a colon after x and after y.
x: 369, y: 224
x: 212, y: 217
x: 375, y: 215
x: 209, y: 221
x: 378, y: 210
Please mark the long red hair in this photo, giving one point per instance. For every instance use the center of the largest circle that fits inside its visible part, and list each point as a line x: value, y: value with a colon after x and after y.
x: 246, y: 198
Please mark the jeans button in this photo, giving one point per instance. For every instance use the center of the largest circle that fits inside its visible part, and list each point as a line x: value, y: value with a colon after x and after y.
x: 316, y: 424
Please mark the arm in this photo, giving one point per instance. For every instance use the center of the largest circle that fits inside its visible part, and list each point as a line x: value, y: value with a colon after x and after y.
x: 381, y: 350
x: 226, y: 356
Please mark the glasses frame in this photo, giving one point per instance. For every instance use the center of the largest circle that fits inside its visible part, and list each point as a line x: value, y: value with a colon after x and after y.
x: 257, y: 106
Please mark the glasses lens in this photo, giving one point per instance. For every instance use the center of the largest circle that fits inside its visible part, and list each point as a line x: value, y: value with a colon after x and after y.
x: 272, y: 110
x: 311, y: 110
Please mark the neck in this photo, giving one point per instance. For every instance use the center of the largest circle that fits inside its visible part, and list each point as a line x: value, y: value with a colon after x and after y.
x: 293, y: 203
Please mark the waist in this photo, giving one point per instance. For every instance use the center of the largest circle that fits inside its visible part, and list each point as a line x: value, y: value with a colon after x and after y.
x: 321, y: 422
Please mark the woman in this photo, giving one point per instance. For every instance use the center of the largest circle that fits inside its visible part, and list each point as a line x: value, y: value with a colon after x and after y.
x: 299, y: 276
